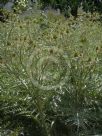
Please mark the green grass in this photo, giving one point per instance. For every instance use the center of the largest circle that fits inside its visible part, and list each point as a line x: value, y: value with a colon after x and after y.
x: 51, y: 72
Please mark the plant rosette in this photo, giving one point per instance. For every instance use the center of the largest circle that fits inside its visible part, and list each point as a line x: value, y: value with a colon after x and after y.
x: 48, y: 67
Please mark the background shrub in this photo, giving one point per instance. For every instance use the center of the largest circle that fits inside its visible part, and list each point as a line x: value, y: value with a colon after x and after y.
x: 73, y: 5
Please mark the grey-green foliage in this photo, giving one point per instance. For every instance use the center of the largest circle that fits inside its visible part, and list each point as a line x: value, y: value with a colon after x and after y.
x: 72, y: 109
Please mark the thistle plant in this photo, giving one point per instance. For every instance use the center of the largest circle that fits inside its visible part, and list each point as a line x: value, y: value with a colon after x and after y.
x: 50, y: 76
